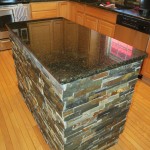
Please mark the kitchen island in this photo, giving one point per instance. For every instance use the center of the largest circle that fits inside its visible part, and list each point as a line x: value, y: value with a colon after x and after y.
x: 77, y: 83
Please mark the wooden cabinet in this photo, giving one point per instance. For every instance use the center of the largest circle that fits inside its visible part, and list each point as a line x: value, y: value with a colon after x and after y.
x: 106, y: 28
x: 72, y: 11
x: 57, y: 37
x: 101, y: 14
x: 91, y: 22
x: 100, y: 20
x: 79, y: 18
x: 146, y: 65
x: 70, y: 36
x: 44, y: 10
x: 63, y: 9
x: 40, y: 37
x: 132, y: 37
x: 54, y: 36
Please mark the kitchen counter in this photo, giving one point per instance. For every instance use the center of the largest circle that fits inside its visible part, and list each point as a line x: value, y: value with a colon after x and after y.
x: 130, y: 12
x: 77, y: 83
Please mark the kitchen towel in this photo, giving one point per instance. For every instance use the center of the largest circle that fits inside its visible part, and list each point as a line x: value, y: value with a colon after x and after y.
x: 21, y: 12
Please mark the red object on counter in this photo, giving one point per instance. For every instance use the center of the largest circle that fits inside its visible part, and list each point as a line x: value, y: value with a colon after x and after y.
x: 107, y: 3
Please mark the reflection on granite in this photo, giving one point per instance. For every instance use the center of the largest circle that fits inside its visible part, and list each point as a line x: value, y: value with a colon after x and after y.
x: 70, y: 51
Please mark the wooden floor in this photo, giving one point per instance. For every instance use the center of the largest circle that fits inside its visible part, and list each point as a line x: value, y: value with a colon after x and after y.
x: 19, y: 131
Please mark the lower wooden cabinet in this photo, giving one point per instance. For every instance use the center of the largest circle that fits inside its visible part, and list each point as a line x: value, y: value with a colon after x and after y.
x: 55, y: 35
x: 146, y: 65
x: 132, y: 37
x: 106, y: 28
x: 91, y: 22
x: 79, y: 18
x: 63, y: 9
x: 72, y: 11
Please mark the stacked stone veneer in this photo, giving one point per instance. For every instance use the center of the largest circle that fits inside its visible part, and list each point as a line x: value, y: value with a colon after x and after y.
x: 87, y: 114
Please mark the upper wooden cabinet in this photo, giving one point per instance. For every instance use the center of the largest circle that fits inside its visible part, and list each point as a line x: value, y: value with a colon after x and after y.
x: 132, y: 37
x: 44, y: 10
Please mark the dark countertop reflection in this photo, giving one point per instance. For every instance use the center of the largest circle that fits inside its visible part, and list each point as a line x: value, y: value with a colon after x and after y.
x: 70, y: 51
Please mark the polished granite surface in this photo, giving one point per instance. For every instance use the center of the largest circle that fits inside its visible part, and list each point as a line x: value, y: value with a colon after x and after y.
x: 70, y: 51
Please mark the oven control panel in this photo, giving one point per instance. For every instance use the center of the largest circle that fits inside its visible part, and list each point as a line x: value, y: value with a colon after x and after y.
x: 134, y: 23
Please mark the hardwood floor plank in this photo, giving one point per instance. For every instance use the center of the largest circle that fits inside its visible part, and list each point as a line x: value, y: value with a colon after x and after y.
x: 40, y: 137
x: 12, y: 133
x: 4, y: 134
x: 2, y: 141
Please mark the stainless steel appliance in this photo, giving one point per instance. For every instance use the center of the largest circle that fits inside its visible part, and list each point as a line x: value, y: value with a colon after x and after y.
x: 6, y: 16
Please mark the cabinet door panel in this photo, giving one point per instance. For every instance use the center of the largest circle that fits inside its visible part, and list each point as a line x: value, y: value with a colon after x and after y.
x: 91, y: 22
x: 79, y: 18
x: 106, y: 28
x: 71, y: 36
x: 132, y: 37
x: 57, y: 36
x: 63, y: 9
x: 72, y: 11
x: 40, y: 37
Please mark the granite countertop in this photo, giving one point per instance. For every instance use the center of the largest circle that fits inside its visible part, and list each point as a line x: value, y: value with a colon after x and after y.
x: 70, y: 51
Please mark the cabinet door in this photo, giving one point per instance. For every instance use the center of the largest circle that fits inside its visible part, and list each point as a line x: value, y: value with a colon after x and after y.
x: 57, y: 36
x: 106, y: 28
x: 72, y: 11
x: 40, y: 37
x: 63, y: 9
x: 91, y: 22
x: 132, y: 37
x: 71, y: 36
x: 79, y: 18
x: 80, y: 13
x: 146, y: 65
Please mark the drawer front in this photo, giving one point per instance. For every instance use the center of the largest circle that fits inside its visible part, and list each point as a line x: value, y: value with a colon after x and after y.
x: 44, y: 14
x: 43, y: 6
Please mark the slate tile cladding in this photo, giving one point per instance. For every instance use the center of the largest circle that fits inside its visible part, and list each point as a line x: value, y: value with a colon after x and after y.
x: 87, y: 114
